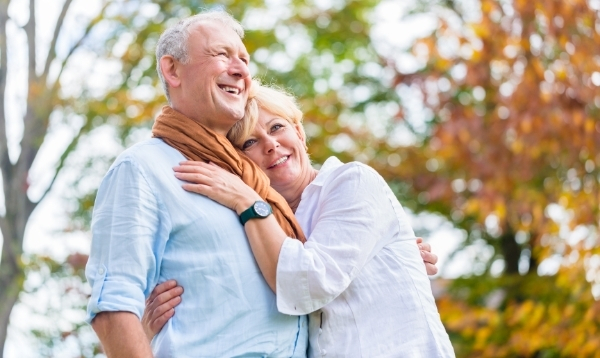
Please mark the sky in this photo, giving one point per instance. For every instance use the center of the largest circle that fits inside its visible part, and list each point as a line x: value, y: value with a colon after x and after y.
x: 45, y: 232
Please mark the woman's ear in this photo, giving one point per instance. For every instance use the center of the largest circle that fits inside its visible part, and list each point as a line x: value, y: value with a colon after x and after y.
x: 300, y: 132
x: 168, y: 67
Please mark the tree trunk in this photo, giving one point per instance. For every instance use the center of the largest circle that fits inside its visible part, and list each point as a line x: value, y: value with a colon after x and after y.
x: 511, y: 252
x: 12, y: 276
x: 12, y: 283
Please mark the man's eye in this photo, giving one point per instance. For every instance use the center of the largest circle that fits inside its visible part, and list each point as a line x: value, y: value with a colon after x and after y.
x: 247, y: 144
x: 244, y: 60
x: 222, y: 54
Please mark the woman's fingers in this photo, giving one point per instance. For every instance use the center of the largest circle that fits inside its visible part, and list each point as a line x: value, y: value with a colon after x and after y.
x: 431, y: 269
x: 164, y: 308
x: 201, y: 189
x: 430, y: 259
x: 425, y: 247
x: 160, y: 288
x: 160, y: 322
x: 163, y: 301
x: 198, y: 178
x: 160, y: 307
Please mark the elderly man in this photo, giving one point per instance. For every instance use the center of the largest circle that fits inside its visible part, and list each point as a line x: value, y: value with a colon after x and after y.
x: 147, y: 229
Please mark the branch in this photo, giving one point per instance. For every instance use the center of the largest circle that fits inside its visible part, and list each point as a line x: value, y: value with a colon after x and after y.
x: 31, y: 41
x: 5, y: 165
x: 64, y: 156
x: 87, y: 31
x: 52, y: 50
x: 35, y: 132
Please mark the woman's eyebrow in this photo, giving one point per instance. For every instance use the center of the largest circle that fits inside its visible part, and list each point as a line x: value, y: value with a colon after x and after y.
x: 274, y: 119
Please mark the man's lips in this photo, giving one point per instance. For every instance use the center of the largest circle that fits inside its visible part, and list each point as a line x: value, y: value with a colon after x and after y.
x: 279, y: 161
x: 230, y: 89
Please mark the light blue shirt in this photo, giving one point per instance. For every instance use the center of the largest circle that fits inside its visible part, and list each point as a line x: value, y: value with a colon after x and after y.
x: 147, y: 229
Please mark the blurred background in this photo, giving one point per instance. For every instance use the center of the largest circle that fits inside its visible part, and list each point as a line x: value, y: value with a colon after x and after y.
x: 483, y: 116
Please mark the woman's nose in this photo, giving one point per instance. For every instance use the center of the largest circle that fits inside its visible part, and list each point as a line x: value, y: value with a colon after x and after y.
x: 271, y: 144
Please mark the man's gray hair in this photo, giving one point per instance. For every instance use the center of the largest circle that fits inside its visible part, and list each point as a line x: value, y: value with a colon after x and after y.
x: 174, y: 40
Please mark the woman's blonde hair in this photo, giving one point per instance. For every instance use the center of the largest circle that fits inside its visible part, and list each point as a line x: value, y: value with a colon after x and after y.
x: 271, y: 99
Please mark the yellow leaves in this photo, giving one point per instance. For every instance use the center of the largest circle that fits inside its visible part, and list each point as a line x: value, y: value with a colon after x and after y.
x: 577, y: 118
x: 517, y: 146
x: 472, y: 207
x: 463, y: 135
x: 500, y: 209
x: 521, y: 312
x: 482, y: 337
x: 480, y: 30
x: 590, y: 125
x: 526, y: 125
x: 538, y: 70
x: 487, y: 6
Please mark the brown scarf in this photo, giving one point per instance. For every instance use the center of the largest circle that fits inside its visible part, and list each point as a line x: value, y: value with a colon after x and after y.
x: 196, y: 142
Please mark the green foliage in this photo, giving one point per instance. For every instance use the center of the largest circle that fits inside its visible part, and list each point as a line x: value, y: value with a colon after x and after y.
x: 54, y: 297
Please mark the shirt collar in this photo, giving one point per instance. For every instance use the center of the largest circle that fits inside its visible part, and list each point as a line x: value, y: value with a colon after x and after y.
x: 331, y: 164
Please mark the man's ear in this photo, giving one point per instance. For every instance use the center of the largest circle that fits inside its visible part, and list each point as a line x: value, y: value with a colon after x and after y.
x: 168, y: 67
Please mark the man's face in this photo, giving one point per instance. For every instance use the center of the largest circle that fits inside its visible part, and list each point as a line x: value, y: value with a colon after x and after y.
x: 216, y: 80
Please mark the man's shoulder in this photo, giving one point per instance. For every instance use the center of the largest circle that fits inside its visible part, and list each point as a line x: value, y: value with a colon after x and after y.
x: 149, y: 152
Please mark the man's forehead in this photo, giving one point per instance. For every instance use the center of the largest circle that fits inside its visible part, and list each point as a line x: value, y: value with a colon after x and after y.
x: 214, y: 34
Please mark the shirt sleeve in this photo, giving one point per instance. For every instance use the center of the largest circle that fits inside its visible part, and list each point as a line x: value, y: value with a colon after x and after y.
x: 128, y: 235
x: 353, y: 215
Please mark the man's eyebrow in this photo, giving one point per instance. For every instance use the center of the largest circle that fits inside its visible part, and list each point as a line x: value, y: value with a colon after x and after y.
x: 220, y: 45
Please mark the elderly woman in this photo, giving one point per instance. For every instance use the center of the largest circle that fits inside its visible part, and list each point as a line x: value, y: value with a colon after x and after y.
x: 359, y: 276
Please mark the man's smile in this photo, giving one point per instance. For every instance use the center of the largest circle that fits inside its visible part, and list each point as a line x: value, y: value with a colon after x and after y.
x: 230, y: 89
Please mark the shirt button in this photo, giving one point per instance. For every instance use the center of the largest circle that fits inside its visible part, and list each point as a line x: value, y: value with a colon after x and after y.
x: 324, y: 352
x: 101, y: 270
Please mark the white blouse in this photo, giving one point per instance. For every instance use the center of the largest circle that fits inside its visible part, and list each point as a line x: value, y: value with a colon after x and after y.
x: 359, y: 275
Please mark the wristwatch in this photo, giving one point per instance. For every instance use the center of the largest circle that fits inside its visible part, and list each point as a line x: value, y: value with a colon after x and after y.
x: 258, y: 210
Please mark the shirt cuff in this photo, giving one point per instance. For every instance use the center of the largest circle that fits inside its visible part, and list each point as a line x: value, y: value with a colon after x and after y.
x: 293, y: 297
x: 113, y: 296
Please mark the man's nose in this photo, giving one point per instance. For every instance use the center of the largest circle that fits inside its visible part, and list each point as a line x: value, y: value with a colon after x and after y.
x: 238, y: 68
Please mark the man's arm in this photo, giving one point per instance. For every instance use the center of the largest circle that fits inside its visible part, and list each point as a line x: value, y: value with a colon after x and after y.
x: 121, y: 335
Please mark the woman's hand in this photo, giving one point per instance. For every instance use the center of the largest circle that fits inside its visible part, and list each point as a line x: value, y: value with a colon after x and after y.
x: 429, y: 258
x: 216, y: 183
x: 160, y: 307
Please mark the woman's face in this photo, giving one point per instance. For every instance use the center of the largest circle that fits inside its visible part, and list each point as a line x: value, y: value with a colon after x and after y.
x: 277, y: 147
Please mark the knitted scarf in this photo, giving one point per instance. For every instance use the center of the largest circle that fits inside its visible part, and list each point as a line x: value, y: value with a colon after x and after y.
x: 197, y: 142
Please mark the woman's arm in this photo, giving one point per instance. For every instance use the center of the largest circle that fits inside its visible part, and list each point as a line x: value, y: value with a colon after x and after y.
x: 264, y: 235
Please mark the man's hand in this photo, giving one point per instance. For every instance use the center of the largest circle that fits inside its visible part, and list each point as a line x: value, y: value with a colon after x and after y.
x: 429, y: 258
x: 121, y: 335
x: 160, y: 307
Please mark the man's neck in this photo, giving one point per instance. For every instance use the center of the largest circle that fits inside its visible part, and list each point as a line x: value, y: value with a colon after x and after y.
x: 190, y: 115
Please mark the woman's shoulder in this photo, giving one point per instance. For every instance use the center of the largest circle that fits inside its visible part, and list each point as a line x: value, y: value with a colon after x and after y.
x: 335, y: 170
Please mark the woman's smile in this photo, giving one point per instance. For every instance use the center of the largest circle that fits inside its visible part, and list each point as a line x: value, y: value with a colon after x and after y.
x: 279, y: 162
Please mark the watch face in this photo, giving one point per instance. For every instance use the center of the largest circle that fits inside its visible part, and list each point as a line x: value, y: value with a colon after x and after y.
x: 261, y: 208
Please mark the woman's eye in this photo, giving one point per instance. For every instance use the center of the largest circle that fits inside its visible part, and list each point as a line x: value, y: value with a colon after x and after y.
x: 247, y: 144
x: 276, y: 127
